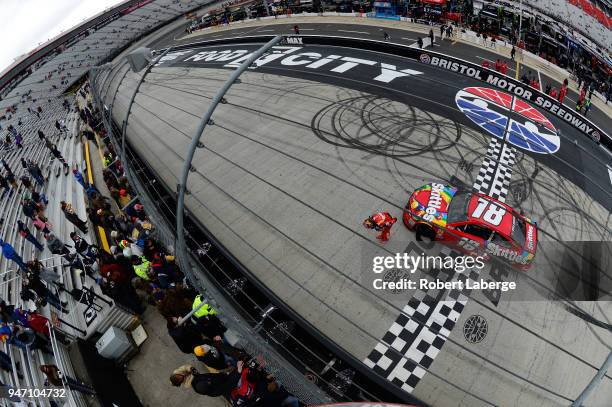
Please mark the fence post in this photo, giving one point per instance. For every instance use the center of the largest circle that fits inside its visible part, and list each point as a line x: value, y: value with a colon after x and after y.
x: 180, y: 205
x: 594, y: 382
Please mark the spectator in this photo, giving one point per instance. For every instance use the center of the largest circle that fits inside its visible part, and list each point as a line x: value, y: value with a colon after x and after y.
x: 84, y: 248
x: 25, y: 180
x: 47, y: 274
x: 34, y: 290
x: 6, y: 365
x: 124, y: 198
x: 211, y: 356
x: 41, y: 224
x: 55, y: 245
x: 9, y: 253
x: 136, y: 212
x: 56, y: 378
x: 24, y: 338
x: 56, y: 153
x: 208, y: 384
x: 4, y: 184
x: 79, y: 176
x: 72, y: 217
x: 273, y: 394
x: 245, y: 391
x: 211, y: 327
x: 26, y: 234
x: 38, y: 323
x: 186, y: 336
x: 19, y: 140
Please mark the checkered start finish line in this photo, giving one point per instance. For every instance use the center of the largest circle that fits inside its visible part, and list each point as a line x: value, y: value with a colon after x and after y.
x: 418, y: 334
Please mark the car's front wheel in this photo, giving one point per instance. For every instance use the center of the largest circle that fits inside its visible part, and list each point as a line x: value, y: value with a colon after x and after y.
x: 425, y: 232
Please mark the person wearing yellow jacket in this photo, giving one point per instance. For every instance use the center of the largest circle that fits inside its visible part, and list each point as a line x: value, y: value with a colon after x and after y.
x: 142, y: 268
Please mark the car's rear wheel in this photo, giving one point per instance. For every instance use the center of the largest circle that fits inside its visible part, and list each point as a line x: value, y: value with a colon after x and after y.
x: 425, y: 233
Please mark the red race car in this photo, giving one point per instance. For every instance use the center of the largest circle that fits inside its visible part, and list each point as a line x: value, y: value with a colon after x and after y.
x: 475, y: 223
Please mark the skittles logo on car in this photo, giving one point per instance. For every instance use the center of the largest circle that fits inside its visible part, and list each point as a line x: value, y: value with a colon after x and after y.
x: 430, y: 202
x: 507, y: 117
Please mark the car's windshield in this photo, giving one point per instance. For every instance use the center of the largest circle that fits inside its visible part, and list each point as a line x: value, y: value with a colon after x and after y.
x: 457, y: 209
x: 518, y: 230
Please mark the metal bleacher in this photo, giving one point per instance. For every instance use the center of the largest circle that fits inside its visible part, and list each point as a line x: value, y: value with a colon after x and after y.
x: 60, y: 185
x: 44, y: 86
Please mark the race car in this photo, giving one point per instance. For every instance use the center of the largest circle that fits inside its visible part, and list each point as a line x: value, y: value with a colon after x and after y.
x: 474, y: 223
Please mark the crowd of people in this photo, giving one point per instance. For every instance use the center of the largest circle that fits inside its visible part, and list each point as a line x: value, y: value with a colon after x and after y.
x: 137, y: 271
x: 140, y: 271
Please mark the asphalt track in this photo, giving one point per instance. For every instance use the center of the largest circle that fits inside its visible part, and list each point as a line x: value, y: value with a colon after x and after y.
x: 400, y: 36
x: 296, y: 159
x: 435, y: 90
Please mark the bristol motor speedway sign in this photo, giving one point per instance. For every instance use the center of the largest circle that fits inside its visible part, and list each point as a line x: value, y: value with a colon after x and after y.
x: 516, y: 88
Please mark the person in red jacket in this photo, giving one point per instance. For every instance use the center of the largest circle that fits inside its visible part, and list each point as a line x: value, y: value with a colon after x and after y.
x: 38, y: 323
x: 498, y: 65
x: 553, y: 93
x: 114, y: 272
x: 382, y: 222
x: 485, y: 63
x: 245, y: 389
x: 504, y: 68
x: 562, y: 93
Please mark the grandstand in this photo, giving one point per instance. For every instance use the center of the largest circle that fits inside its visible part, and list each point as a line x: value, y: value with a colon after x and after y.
x: 33, y: 98
x: 590, y: 22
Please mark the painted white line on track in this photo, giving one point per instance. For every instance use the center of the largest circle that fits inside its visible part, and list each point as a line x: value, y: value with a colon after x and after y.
x: 409, y: 39
x: 539, y: 79
x: 307, y: 29
x: 610, y: 173
x: 356, y: 32
x: 264, y: 30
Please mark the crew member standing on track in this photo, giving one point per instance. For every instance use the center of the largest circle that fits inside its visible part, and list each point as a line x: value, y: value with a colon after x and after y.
x: 553, y: 92
x: 504, y: 68
x: 296, y: 29
x: 562, y: 92
x: 512, y: 53
x: 382, y: 222
x: 431, y: 37
x: 386, y: 36
x: 485, y: 63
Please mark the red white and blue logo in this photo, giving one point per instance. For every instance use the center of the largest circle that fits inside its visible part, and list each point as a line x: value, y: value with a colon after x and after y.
x: 510, y: 118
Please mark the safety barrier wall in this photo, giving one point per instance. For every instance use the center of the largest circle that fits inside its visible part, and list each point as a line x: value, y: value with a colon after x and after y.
x: 453, y: 64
